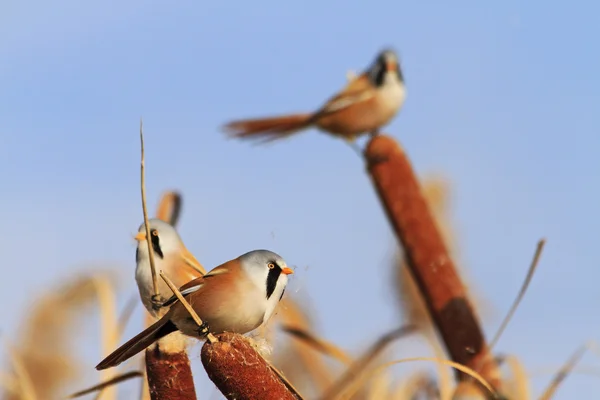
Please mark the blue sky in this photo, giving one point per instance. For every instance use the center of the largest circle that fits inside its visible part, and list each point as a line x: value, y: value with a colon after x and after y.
x: 501, y: 100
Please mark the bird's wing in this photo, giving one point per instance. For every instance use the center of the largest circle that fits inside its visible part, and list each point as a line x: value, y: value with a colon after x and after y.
x: 192, y: 262
x: 190, y: 287
x: 358, y: 90
x: 222, y: 269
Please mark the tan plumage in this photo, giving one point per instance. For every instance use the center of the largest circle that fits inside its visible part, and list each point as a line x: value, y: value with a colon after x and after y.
x: 367, y: 103
x: 170, y: 256
x: 237, y: 296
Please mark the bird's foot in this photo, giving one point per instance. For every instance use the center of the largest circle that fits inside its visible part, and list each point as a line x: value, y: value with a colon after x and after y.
x: 157, y: 302
x: 352, y: 143
x: 374, y: 160
x: 203, y: 330
x: 374, y: 132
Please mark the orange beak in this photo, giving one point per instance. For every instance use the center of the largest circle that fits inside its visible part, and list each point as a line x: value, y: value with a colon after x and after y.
x: 140, y: 236
x: 391, y: 66
x: 287, y: 271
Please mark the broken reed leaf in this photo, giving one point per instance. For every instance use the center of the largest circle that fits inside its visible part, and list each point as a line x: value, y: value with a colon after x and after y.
x: 211, y: 338
x: 113, y: 381
x: 518, y: 386
x: 522, y: 291
x: 319, y: 345
x: 240, y: 373
x: 22, y: 378
x: 169, y: 207
x: 463, y: 368
x: 562, y: 374
x: 359, y: 366
x: 145, y: 211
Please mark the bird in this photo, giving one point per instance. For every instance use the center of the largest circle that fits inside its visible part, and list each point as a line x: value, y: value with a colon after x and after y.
x: 170, y: 256
x: 367, y: 103
x: 237, y: 296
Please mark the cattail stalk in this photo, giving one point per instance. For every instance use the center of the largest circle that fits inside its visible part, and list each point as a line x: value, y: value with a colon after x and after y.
x: 169, y: 375
x: 427, y: 256
x: 239, y: 372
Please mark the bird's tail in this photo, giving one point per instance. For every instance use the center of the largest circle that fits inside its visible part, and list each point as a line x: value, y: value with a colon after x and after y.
x: 159, y: 329
x: 268, y: 128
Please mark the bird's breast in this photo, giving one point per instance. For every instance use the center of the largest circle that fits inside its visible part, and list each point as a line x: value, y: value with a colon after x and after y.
x: 390, y: 98
x: 223, y: 312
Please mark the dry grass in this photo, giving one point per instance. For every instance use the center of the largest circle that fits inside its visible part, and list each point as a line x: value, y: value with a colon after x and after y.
x: 48, y: 362
x: 43, y: 362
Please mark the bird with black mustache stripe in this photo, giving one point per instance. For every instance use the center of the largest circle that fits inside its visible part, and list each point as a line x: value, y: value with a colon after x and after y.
x: 237, y: 296
x: 170, y: 256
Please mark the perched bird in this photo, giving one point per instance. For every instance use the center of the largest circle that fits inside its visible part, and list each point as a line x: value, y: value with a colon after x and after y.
x: 366, y: 104
x: 170, y: 256
x: 237, y: 296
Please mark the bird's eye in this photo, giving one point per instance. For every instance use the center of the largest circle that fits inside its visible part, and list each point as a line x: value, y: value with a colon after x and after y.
x: 271, y: 265
x: 154, y: 232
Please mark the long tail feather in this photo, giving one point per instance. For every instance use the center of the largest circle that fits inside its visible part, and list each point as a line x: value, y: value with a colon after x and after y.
x: 139, y: 342
x: 268, y: 128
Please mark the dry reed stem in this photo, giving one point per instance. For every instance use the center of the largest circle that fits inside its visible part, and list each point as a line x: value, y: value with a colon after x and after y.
x: 109, y: 329
x: 522, y: 291
x: 239, y: 372
x: 463, y: 368
x: 171, y: 350
x: 161, y: 364
x: 517, y: 301
x: 354, y: 375
x: 211, y: 338
x: 145, y: 211
x: 320, y: 345
x: 563, y: 373
x: 427, y: 255
x: 111, y: 382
